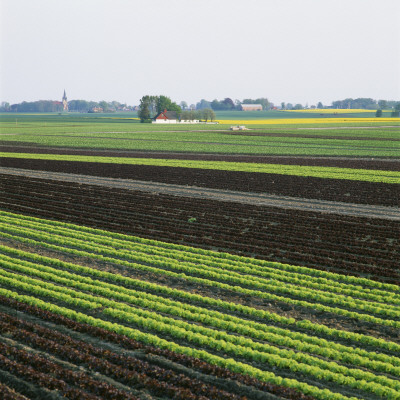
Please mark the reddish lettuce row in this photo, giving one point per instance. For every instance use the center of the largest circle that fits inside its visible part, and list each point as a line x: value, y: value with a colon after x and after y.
x: 58, y: 377
x: 6, y: 393
x: 125, y: 369
x: 44, y: 380
x: 131, y: 344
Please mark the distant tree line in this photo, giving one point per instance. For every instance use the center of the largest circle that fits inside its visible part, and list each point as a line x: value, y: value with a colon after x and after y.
x: 33, y: 106
x: 359, y: 103
x: 151, y: 105
x: 57, y: 106
x: 364, y: 103
x: 92, y: 106
x: 228, y: 104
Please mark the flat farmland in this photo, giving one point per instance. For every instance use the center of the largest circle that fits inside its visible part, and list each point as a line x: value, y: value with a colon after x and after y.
x: 171, y: 262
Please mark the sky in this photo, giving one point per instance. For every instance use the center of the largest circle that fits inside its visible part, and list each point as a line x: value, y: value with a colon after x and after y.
x: 293, y: 51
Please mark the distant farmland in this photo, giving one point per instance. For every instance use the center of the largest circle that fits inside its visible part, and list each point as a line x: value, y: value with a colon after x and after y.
x: 141, y: 292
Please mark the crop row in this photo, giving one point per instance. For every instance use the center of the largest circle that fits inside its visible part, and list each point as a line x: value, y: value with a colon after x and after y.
x: 71, y: 384
x: 7, y: 393
x: 343, y: 242
x: 152, y: 339
x: 348, y: 191
x: 205, y: 337
x: 366, y: 164
x: 303, y: 276
x: 204, y: 315
x: 125, y: 369
x: 373, y: 250
x: 186, y: 253
x: 391, y: 177
x: 276, y: 272
x: 218, y: 340
x: 215, y: 319
x: 213, y: 276
x: 205, y: 368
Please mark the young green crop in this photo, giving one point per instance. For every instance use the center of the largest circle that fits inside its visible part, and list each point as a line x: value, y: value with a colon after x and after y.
x: 144, y: 287
x: 363, y: 363
x: 219, y: 340
x: 206, y: 255
x: 214, y: 277
x: 192, y: 313
x: 272, y: 273
x: 235, y: 366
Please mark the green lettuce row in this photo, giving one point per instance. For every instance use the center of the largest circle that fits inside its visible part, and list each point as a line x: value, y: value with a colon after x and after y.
x: 212, y: 318
x: 305, y: 324
x: 215, y: 273
x: 214, y: 255
x: 229, y: 306
x: 298, y: 279
x: 232, y: 365
x: 221, y: 341
x: 354, y: 304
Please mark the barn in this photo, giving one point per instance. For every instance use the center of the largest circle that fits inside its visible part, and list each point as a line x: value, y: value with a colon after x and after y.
x: 165, y: 117
x: 251, y: 107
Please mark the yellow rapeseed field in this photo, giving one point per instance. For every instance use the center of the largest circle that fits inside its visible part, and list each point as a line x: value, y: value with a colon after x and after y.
x: 285, y: 121
x: 332, y: 110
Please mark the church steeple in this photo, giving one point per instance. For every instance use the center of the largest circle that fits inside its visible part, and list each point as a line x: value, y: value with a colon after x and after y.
x: 65, y: 102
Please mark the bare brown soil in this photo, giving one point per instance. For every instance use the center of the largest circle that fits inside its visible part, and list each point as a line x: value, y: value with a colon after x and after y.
x: 340, y: 190
x: 344, y: 244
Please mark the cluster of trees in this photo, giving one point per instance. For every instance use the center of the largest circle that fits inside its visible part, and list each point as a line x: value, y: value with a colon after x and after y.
x: 150, y: 106
x: 228, y: 104
x: 298, y: 106
x: 87, y: 106
x: 395, y: 111
x: 205, y: 114
x: 364, y: 103
x: 153, y: 105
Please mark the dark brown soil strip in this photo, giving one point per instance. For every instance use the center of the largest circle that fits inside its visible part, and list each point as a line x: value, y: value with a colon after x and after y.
x: 344, y: 244
x: 358, y: 192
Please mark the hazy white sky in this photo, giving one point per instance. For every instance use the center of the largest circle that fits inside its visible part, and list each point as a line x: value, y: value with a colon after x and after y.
x: 297, y: 51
